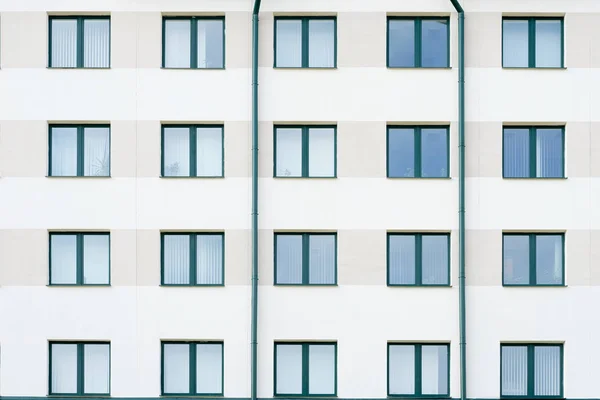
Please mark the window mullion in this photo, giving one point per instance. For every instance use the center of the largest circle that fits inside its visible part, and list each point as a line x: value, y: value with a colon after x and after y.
x: 305, y: 369
x: 305, y: 259
x: 194, y: 43
x: 532, y: 61
x: 193, y: 151
x: 530, y: 370
x: 193, y: 259
x: 80, y: 150
x: 532, y: 260
x: 79, y: 257
x: 80, y: 369
x: 193, y: 353
x: 418, y: 370
x: 80, y: 42
x: 417, y: 144
x: 305, y: 155
x: 305, y: 44
x: 418, y: 259
x: 532, y: 153
x: 418, y: 42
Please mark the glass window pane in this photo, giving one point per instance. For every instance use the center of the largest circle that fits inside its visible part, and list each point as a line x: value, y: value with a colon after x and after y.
x: 96, y: 267
x: 515, y: 43
x: 96, y: 43
x: 434, y: 51
x: 96, y: 151
x: 209, y: 259
x: 64, y: 152
x: 64, y: 43
x: 435, y: 259
x: 288, y: 39
x: 549, y: 151
x: 177, y: 43
x: 401, y: 36
x: 547, y: 377
x: 321, y: 369
x: 321, y: 152
x: 176, y: 368
x: 63, y: 260
x: 402, y: 260
x: 209, y: 152
x: 401, y: 152
x: 549, y: 260
x: 321, y: 259
x: 210, y: 43
x: 401, y: 379
x: 321, y: 43
x: 176, y: 253
x: 288, y: 369
x: 289, y: 258
x: 209, y: 368
x: 516, y: 153
x: 97, y: 368
x: 64, y: 369
x: 514, y: 371
x: 516, y: 260
x: 434, y: 153
x: 288, y: 152
x: 548, y: 43
x: 434, y: 369
x: 176, y: 152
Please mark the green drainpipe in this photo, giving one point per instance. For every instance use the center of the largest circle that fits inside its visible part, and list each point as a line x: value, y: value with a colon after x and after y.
x: 254, y: 328
x: 461, y: 198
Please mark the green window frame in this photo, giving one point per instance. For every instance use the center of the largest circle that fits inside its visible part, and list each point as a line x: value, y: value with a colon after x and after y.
x: 531, y: 40
x: 533, y: 153
x: 305, y: 38
x: 418, y: 370
x: 193, y: 40
x: 417, y: 165
x: 80, y: 369
x: 102, y: 165
x: 80, y: 52
x: 534, y: 279
x: 305, y: 369
x: 531, y: 370
x: 193, y: 259
x: 418, y: 41
x: 192, y: 367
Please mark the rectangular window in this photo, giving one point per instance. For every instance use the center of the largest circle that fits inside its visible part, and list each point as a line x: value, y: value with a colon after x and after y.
x: 535, y: 259
x: 302, y: 42
x: 193, y: 42
x: 534, y: 152
x: 305, y: 369
x: 192, y: 151
x: 531, y: 370
x: 305, y: 259
x: 79, y: 258
x: 417, y: 152
x: 305, y: 152
x: 532, y: 42
x: 418, y: 370
x: 415, y: 42
x: 79, y: 42
x: 192, y: 368
x: 416, y: 259
x: 192, y: 258
x: 79, y: 368
x: 79, y: 150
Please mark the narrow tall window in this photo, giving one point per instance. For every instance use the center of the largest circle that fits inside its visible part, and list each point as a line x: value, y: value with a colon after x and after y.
x: 305, y: 258
x: 79, y: 368
x: 305, y: 369
x: 531, y: 370
x: 79, y: 258
x: 418, y: 42
x: 192, y: 368
x: 532, y: 42
x: 192, y: 258
x: 79, y: 42
x: 417, y: 152
x: 418, y: 259
x: 302, y: 42
x: 534, y: 152
x: 192, y: 151
x: 194, y: 42
x: 533, y: 259
x: 418, y: 370
x: 305, y: 151
x: 79, y: 150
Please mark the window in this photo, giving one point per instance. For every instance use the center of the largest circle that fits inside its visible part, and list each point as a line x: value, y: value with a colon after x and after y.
x: 418, y: 259
x: 418, y: 42
x: 79, y: 150
x: 418, y: 370
x: 534, y: 259
x: 534, y: 152
x: 305, y: 259
x: 532, y: 42
x: 305, y: 369
x: 193, y: 42
x: 417, y: 152
x: 191, y: 368
x: 79, y: 258
x: 79, y: 42
x: 192, y: 151
x: 302, y: 42
x: 531, y: 370
x: 79, y: 368
x: 192, y: 259
x: 305, y: 151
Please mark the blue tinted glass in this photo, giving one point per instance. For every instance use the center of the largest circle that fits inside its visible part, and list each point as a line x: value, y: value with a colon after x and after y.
x: 516, y: 260
x: 548, y: 43
x: 401, y: 268
x: 434, y: 259
x: 434, y: 38
x: 288, y: 259
x: 288, y: 43
x: 549, y: 153
x: 401, y: 52
x: 549, y: 260
x: 515, y: 43
x: 516, y: 153
x: 434, y: 153
x: 210, y: 44
x: 401, y: 153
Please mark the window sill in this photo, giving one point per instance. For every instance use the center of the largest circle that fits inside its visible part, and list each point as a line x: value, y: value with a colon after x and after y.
x: 419, y: 286
x: 79, y: 396
x: 420, y: 68
x: 192, y: 177
x: 78, y: 176
x: 535, y: 178
x: 86, y: 68
x: 536, y: 68
x: 306, y: 68
x: 306, y: 284
x: 192, y: 286
x: 304, y: 177
x: 192, y: 396
x: 406, y: 396
x: 303, y: 396
x: 192, y: 69
x: 75, y: 285
x: 533, y: 286
x: 420, y: 177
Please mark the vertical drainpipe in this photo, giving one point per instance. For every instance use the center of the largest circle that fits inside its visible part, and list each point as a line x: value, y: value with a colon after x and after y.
x: 461, y: 198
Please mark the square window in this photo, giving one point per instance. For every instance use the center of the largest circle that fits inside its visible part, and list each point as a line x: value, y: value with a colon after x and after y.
x: 532, y: 42
x: 79, y: 42
x: 305, y: 259
x: 302, y: 42
x: 415, y: 42
x: 79, y: 150
x: 418, y: 370
x: 192, y: 259
x: 192, y: 368
x: 533, y: 152
x: 533, y: 259
x: 417, y: 152
x: 192, y: 151
x: 305, y: 369
x: 194, y: 42
x: 79, y: 259
x: 79, y: 368
x: 305, y: 151
x: 418, y: 259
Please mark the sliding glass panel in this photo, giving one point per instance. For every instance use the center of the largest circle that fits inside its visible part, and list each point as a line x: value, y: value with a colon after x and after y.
x: 434, y: 259
x: 96, y: 152
x: 434, y: 370
x: 401, y: 378
x: 209, y: 263
x: 321, y: 152
x: 64, y: 369
x: 64, y: 151
x: 434, y: 38
x: 96, y: 264
x: 96, y: 368
x: 209, y: 368
x: 516, y: 153
x: 515, y: 43
x: 177, y: 43
x: 64, y: 43
x: 321, y: 259
x: 401, y: 152
x: 516, y: 260
x: 549, y: 259
x: 321, y: 43
x: 210, y: 43
x: 288, y: 369
x: 209, y: 152
x: 176, y: 361
x: 176, y: 253
x: 434, y: 153
x: 514, y: 371
x: 547, y: 377
x: 402, y: 260
x: 63, y: 259
x: 321, y: 369
x: 289, y: 259
x: 176, y: 156
x: 549, y: 150
x: 96, y: 43
x: 288, y: 152
x: 288, y: 38
x: 548, y: 43
x: 401, y: 46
